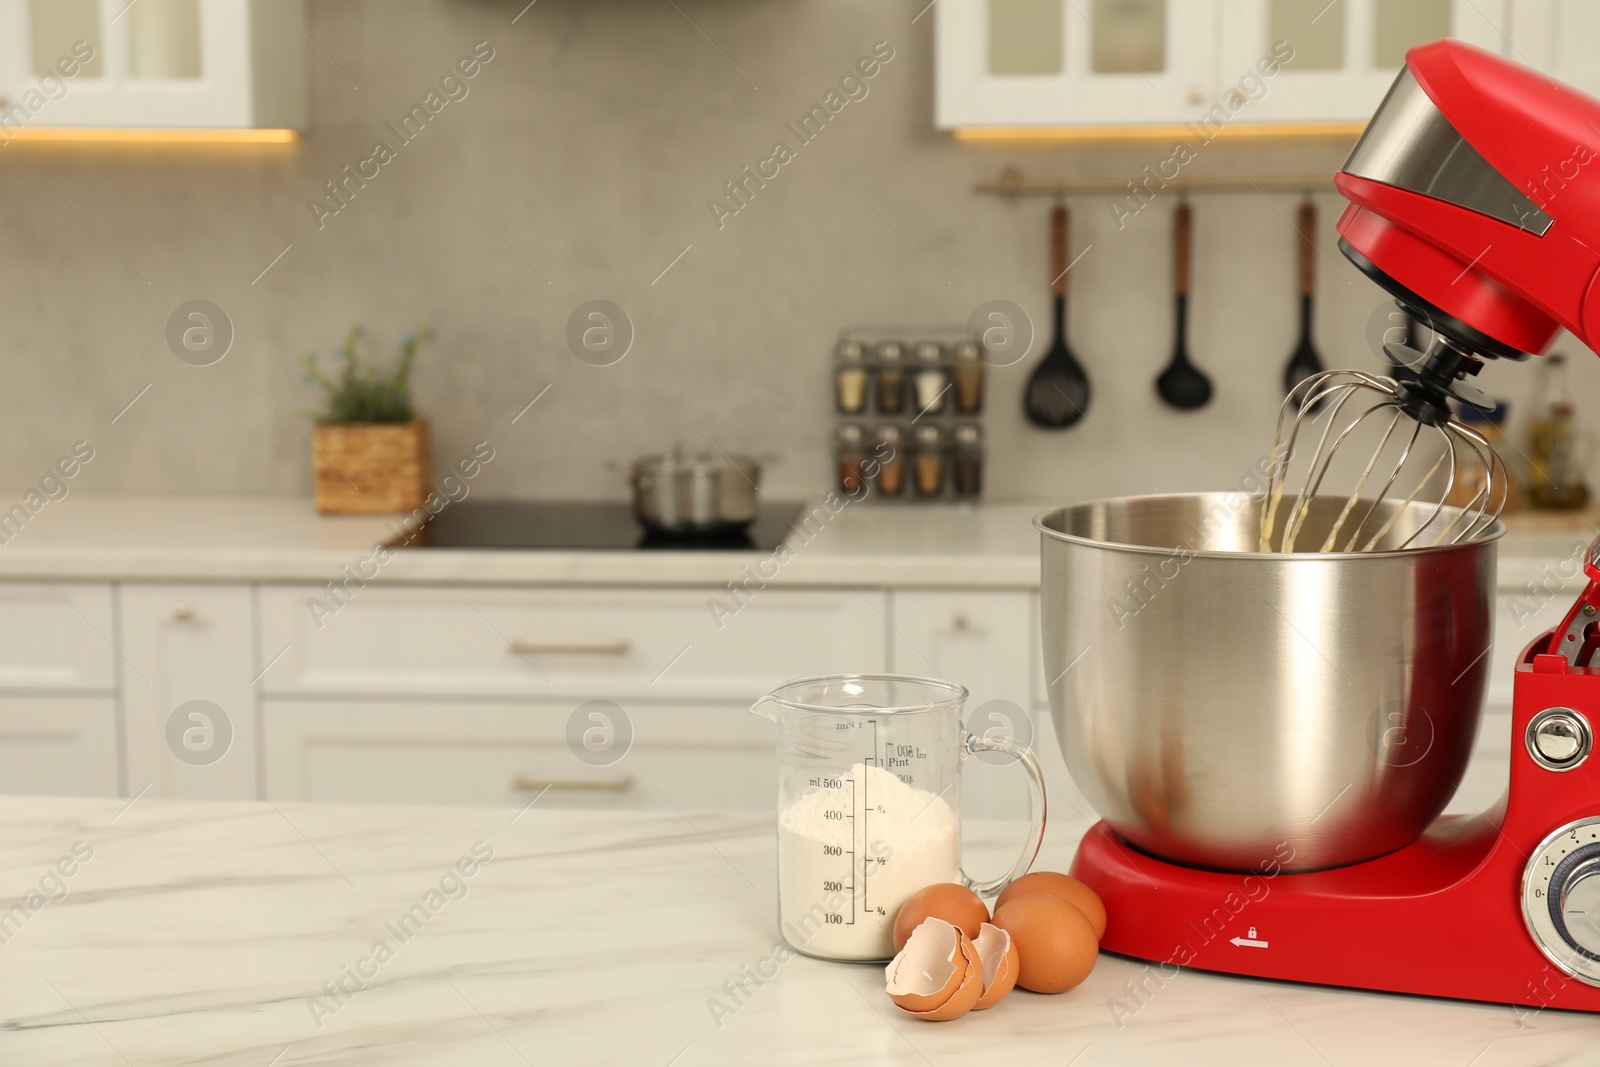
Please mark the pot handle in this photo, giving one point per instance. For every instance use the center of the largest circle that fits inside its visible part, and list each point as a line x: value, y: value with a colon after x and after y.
x: 1036, y: 808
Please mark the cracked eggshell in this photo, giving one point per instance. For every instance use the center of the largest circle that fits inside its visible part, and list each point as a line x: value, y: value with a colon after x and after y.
x: 997, y: 955
x: 937, y: 976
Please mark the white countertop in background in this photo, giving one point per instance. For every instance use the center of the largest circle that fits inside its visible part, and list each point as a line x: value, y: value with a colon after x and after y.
x: 206, y: 933
x: 282, y: 539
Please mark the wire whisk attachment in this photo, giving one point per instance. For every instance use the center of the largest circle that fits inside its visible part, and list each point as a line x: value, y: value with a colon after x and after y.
x: 1417, y: 460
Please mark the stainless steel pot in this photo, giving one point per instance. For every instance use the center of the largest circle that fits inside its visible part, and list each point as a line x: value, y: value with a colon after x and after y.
x: 1225, y: 708
x: 679, y: 492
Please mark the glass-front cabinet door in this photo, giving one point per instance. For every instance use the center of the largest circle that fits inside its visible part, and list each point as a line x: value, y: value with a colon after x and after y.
x: 1074, y: 62
x: 152, y: 63
x: 1219, y: 62
x: 1338, y: 59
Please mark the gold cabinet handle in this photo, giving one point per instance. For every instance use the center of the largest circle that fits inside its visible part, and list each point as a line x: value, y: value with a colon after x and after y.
x: 542, y: 648
x: 522, y: 783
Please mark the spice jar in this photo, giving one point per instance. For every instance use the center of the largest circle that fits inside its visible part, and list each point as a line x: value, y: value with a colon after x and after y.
x: 891, y: 377
x: 850, y: 377
x: 851, y: 452
x: 967, y: 370
x: 967, y: 462
x: 927, y: 461
x: 931, y: 381
x: 891, y: 459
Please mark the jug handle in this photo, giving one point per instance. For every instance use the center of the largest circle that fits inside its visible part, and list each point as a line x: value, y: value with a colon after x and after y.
x: 1036, y: 808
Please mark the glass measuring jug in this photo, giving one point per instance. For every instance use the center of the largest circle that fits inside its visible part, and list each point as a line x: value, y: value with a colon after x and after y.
x: 868, y: 805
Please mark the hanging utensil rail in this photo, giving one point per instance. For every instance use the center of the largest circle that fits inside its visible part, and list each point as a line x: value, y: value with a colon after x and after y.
x: 1011, y: 184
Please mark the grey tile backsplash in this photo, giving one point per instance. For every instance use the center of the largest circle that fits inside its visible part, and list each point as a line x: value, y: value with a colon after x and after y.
x: 584, y: 160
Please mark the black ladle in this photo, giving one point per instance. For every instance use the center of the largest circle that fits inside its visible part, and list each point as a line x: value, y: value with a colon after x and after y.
x: 1182, y: 384
x: 1305, y: 361
x: 1057, y: 394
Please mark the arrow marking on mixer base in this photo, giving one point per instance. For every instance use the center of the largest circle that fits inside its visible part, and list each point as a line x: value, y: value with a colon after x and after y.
x: 1245, y: 942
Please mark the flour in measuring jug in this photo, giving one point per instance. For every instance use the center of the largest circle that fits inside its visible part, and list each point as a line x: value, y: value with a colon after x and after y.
x: 849, y: 857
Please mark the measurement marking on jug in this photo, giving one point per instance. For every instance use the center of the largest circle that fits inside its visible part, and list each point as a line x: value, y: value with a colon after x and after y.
x: 865, y: 769
x: 852, y: 782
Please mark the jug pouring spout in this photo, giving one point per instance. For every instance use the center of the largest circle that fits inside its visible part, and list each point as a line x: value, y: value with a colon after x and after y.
x: 767, y: 706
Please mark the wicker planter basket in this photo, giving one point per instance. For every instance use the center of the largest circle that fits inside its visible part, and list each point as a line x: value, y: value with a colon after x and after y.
x: 372, y: 468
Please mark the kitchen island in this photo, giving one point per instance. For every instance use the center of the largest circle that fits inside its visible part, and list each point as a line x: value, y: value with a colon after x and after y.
x: 166, y: 933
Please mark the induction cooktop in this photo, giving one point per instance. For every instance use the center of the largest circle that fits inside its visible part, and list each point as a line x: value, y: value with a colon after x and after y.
x: 586, y: 526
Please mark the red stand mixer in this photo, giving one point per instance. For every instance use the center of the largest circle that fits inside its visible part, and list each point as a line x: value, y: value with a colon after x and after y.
x: 1475, y: 201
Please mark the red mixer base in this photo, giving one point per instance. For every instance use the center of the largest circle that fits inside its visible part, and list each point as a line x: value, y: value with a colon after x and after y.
x: 1441, y: 917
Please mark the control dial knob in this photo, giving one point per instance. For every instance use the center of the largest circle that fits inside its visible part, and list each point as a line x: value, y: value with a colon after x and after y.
x: 1561, y: 899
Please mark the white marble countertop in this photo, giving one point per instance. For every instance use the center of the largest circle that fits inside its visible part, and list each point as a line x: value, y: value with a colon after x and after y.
x: 204, y: 933
x: 282, y: 539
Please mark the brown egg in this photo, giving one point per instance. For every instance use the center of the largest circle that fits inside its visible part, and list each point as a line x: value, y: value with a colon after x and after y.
x: 1056, y: 946
x: 1064, y: 886
x: 938, y: 975
x: 955, y: 904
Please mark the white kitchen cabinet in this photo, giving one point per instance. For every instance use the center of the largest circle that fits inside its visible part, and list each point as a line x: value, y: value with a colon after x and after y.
x: 658, y: 644
x: 223, y: 64
x: 57, y: 637
x: 1347, y: 54
x: 981, y: 639
x: 689, y: 756
x: 190, y: 659
x: 58, y: 677
x: 1211, y: 63
x: 1559, y: 37
x: 1073, y: 62
x: 56, y: 745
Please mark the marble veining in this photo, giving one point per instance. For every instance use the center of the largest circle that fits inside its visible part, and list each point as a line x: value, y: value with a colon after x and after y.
x: 219, y: 934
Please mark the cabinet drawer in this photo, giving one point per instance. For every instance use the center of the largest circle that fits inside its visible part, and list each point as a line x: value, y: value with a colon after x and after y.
x: 58, y: 746
x: 658, y: 643
x: 692, y: 756
x: 56, y: 637
x: 982, y: 639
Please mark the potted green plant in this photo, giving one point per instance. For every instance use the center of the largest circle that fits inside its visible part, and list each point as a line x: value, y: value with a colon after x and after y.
x: 371, y: 451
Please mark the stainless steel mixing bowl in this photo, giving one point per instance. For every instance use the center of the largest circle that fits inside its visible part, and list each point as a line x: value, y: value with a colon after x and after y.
x: 1227, y: 708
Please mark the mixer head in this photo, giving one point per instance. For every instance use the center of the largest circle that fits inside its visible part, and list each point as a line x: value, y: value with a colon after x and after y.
x: 1423, y: 453
x: 1475, y: 202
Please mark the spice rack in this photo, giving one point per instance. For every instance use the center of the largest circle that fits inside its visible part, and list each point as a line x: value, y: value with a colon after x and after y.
x: 908, y: 404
